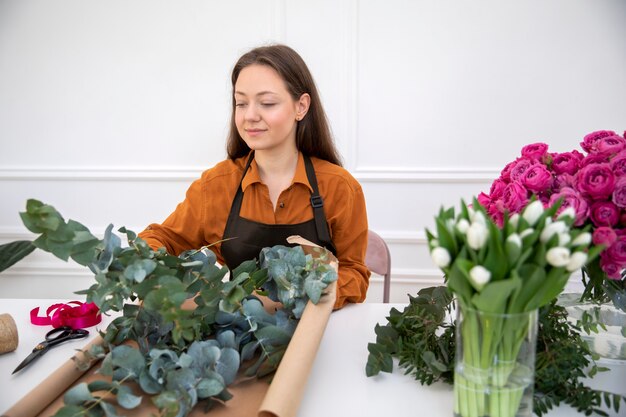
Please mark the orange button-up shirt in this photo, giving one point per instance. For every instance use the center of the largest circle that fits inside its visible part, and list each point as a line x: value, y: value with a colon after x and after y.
x: 201, y: 218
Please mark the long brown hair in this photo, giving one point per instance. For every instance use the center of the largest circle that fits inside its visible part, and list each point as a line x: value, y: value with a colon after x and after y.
x: 313, y: 135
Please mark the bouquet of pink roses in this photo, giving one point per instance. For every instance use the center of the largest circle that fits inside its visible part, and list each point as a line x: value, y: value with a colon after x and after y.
x: 594, y: 185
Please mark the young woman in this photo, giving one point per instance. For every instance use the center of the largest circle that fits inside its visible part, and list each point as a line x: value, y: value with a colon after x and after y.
x: 283, y: 177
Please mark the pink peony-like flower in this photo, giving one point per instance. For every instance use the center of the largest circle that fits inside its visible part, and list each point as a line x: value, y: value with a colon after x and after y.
x: 612, y: 269
x: 604, y: 213
x: 515, y: 197
x: 518, y: 170
x: 604, y: 236
x: 619, y: 194
x: 537, y: 178
x: 596, y: 158
x: 505, y: 175
x: 535, y: 151
x: 618, y: 164
x: 497, y: 188
x: 564, y: 181
x: 589, y: 143
x: 596, y: 181
x: 611, y: 145
x: 617, y: 251
x: 566, y: 163
x: 484, y: 199
x: 572, y: 198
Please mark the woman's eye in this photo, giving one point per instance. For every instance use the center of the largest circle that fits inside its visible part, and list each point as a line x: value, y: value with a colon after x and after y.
x: 268, y: 104
x: 240, y: 104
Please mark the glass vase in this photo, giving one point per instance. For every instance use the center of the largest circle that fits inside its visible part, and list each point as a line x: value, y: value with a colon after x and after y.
x: 494, y: 370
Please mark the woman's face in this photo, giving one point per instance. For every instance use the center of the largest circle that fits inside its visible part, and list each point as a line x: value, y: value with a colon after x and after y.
x: 265, y: 113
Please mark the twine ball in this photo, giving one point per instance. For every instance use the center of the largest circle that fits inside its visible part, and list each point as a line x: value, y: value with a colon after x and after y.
x: 8, y: 334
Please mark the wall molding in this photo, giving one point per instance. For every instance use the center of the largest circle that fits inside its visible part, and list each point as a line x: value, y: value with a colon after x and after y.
x: 172, y: 173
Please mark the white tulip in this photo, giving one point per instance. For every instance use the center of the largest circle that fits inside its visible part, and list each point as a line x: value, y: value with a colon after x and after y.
x: 568, y: 212
x: 477, y: 235
x: 514, y: 239
x: 576, y: 261
x: 441, y: 257
x: 558, y: 256
x: 532, y: 212
x: 479, y: 276
x: 514, y: 220
x: 462, y: 226
x: 582, y: 239
x: 479, y: 217
x: 450, y: 225
x: 433, y: 243
x: 564, y: 239
x: 526, y: 232
x: 551, y: 229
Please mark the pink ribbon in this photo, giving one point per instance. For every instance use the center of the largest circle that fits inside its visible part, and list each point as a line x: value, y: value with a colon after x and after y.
x: 79, y: 317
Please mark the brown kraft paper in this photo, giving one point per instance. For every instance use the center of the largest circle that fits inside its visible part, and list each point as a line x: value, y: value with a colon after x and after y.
x: 251, y: 396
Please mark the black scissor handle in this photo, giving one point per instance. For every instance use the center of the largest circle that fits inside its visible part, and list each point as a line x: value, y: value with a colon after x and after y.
x: 63, y: 334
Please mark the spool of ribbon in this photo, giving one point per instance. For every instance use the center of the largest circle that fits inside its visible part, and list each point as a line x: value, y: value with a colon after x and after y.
x: 75, y: 314
x: 8, y: 334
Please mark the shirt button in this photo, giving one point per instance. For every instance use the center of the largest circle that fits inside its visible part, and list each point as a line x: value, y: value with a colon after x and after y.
x: 281, y: 205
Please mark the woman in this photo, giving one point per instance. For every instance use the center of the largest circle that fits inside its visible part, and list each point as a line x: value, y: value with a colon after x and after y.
x: 283, y: 177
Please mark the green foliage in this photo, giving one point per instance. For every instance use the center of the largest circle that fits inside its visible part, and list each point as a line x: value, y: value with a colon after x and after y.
x: 177, y: 356
x: 13, y: 252
x: 422, y: 338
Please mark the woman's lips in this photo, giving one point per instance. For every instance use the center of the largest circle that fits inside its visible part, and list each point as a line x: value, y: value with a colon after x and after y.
x: 254, y: 132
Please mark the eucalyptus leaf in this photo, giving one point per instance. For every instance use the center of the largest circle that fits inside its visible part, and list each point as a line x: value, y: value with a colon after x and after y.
x: 13, y: 252
x: 78, y: 394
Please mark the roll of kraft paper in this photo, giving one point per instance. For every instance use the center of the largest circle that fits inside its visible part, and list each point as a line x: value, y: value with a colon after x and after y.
x: 8, y: 334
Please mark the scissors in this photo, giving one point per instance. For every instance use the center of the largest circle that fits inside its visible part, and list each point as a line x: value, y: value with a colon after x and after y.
x: 53, y: 337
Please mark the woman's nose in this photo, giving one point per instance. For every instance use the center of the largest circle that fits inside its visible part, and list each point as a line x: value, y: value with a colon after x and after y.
x: 251, y: 113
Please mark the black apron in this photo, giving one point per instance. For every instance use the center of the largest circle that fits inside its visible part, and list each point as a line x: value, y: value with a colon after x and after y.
x: 250, y: 237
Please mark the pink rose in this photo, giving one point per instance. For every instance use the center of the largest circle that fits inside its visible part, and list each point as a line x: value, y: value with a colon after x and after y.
x: 595, y: 158
x: 619, y: 194
x: 537, y: 178
x: 484, y: 200
x: 515, y: 197
x: 617, y: 251
x: 589, y: 143
x: 564, y: 181
x: 604, y: 213
x: 566, y: 163
x: 518, y: 170
x: 618, y: 164
x: 610, y: 145
x: 596, y: 181
x: 612, y: 269
x: 497, y: 188
x: 604, y: 236
x: 572, y: 198
x: 535, y: 151
x: 505, y: 175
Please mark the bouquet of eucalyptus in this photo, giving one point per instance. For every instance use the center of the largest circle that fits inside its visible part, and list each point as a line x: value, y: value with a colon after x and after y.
x: 156, y: 348
x: 499, y: 272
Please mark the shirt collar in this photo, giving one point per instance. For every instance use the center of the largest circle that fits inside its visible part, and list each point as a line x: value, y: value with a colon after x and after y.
x: 253, y: 175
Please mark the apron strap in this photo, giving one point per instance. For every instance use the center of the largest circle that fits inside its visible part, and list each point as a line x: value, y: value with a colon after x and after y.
x: 236, y: 206
x: 318, y: 208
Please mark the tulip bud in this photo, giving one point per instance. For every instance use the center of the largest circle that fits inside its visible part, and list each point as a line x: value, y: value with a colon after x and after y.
x: 551, y: 229
x: 477, y: 235
x: 462, y: 226
x: 440, y: 256
x: 564, y: 239
x: 513, y: 247
x: 532, y: 212
x: 479, y: 276
x: 558, y: 256
x: 576, y: 261
x: 479, y: 217
x: 582, y: 239
x: 514, y: 220
x: 568, y: 212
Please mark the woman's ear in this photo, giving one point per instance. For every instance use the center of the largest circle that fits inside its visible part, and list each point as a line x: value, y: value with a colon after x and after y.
x: 302, y: 106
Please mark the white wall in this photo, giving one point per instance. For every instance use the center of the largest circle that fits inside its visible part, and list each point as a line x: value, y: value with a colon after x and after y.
x: 108, y: 110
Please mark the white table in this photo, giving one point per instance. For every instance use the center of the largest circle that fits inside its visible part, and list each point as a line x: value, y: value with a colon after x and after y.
x: 337, y: 385
x: 14, y: 387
